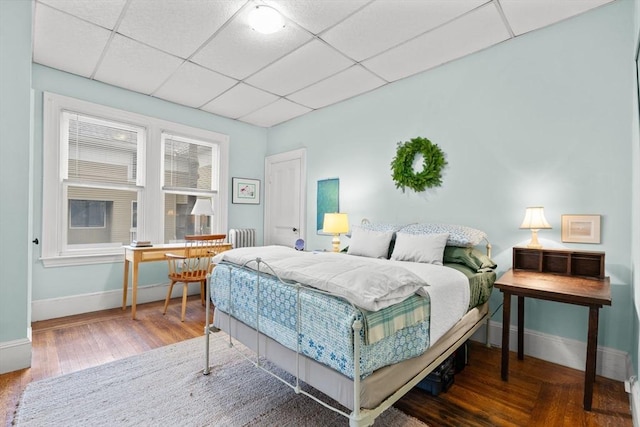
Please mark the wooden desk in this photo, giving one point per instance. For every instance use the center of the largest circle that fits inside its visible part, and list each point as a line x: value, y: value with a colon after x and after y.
x: 593, y: 293
x: 135, y: 256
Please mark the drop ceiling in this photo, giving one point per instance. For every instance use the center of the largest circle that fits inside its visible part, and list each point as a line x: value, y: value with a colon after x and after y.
x: 203, y: 54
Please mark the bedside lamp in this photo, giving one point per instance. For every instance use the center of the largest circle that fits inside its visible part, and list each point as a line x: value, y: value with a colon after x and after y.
x: 202, y: 208
x: 335, y: 223
x: 534, y: 220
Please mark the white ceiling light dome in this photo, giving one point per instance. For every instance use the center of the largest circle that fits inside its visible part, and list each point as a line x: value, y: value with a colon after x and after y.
x: 266, y: 20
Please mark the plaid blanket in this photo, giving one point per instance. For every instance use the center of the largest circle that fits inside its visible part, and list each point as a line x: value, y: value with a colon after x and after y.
x: 383, y: 323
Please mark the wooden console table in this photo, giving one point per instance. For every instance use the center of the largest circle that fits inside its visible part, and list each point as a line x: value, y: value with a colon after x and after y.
x: 590, y: 292
x: 134, y: 256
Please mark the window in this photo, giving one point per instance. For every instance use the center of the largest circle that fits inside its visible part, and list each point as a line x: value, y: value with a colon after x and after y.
x: 87, y: 213
x: 111, y: 176
x: 100, y: 176
x: 188, y: 172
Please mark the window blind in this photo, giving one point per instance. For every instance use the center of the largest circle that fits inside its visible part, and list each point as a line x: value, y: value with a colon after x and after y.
x: 188, y: 164
x: 100, y: 151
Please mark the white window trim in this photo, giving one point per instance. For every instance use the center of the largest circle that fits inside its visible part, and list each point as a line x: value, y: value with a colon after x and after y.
x: 150, y: 196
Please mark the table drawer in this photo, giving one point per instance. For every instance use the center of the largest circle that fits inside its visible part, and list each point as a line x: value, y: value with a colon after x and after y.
x: 159, y: 255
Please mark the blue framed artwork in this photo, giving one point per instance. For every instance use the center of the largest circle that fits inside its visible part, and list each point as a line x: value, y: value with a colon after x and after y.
x: 328, y: 200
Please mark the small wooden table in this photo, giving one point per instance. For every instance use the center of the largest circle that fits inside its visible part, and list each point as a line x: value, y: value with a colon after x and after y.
x: 593, y: 293
x: 148, y: 254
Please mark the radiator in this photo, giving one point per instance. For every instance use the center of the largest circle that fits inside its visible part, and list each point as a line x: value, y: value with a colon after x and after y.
x: 242, y: 237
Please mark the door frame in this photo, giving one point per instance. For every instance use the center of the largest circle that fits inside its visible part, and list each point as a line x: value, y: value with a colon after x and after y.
x: 300, y: 153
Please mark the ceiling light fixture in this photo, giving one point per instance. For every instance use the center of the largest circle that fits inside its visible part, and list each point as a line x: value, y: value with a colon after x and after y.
x: 266, y: 20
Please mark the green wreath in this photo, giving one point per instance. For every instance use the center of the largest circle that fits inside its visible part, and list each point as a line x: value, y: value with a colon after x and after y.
x: 402, y: 165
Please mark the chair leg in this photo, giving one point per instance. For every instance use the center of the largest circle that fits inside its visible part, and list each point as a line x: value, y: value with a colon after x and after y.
x: 185, y: 291
x: 166, y: 301
x: 202, y: 293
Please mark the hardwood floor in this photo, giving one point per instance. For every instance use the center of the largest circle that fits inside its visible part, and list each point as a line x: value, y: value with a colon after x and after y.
x: 538, y: 393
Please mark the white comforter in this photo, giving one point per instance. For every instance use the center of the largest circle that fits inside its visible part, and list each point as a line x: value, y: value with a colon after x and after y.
x: 369, y: 283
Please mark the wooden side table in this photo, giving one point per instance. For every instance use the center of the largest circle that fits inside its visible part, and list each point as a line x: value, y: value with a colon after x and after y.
x: 589, y: 292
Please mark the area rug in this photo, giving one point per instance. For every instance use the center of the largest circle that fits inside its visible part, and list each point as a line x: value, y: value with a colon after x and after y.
x: 165, y: 387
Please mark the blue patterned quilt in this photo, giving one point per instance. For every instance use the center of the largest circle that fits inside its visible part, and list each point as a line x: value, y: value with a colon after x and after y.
x: 325, y: 321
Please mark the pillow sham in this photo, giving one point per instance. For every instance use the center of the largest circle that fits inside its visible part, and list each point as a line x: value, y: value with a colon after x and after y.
x: 459, y: 235
x: 382, y: 227
x: 470, y: 257
x: 369, y: 243
x: 376, y: 226
x: 425, y: 248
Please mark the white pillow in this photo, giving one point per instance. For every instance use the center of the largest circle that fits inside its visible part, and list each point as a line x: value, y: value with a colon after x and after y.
x: 369, y: 243
x: 427, y: 248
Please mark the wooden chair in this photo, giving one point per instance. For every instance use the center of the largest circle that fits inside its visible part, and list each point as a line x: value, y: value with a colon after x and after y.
x: 193, y: 266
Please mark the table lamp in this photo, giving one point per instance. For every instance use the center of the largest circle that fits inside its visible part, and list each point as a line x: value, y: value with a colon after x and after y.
x: 335, y: 223
x: 201, y: 208
x: 534, y: 219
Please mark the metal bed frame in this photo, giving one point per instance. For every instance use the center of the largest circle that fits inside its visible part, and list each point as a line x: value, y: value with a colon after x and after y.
x: 359, y: 417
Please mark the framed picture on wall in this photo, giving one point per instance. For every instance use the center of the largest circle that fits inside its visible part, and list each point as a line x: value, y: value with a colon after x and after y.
x: 581, y: 228
x: 245, y: 191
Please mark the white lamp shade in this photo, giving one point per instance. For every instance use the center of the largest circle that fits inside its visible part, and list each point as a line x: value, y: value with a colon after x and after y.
x: 202, y: 207
x: 335, y: 223
x: 534, y: 219
x: 266, y: 20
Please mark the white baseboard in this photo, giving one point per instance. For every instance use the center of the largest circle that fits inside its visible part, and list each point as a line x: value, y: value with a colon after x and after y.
x: 611, y: 363
x: 53, y: 308
x: 15, y: 355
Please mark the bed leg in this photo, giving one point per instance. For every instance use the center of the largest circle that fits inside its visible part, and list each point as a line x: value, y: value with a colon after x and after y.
x: 361, y: 420
x: 488, y: 343
x: 207, y: 331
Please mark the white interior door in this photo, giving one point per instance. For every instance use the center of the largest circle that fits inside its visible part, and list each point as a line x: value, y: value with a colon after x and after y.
x: 285, y: 198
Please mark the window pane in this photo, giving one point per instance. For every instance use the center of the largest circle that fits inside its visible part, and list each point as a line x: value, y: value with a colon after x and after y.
x: 99, y: 216
x: 178, y: 220
x: 187, y: 164
x: 87, y: 213
x: 101, y: 151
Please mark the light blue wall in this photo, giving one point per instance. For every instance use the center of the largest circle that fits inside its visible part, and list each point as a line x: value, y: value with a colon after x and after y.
x: 539, y: 120
x: 246, y: 154
x: 15, y: 138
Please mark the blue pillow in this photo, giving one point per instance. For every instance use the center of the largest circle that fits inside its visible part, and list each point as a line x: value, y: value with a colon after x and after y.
x: 459, y: 235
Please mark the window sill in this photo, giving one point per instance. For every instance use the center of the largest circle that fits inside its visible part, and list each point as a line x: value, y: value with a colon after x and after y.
x: 72, y: 260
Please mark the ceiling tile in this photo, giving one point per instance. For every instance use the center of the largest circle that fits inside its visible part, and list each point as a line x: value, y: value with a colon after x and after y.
x: 176, y: 26
x: 238, y: 101
x: 238, y: 51
x: 193, y: 85
x: 277, y: 112
x: 527, y: 15
x: 349, y: 83
x: 314, y: 15
x: 306, y: 65
x: 102, y: 12
x: 135, y: 66
x: 76, y: 47
x: 470, y: 33
x: 384, y: 24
